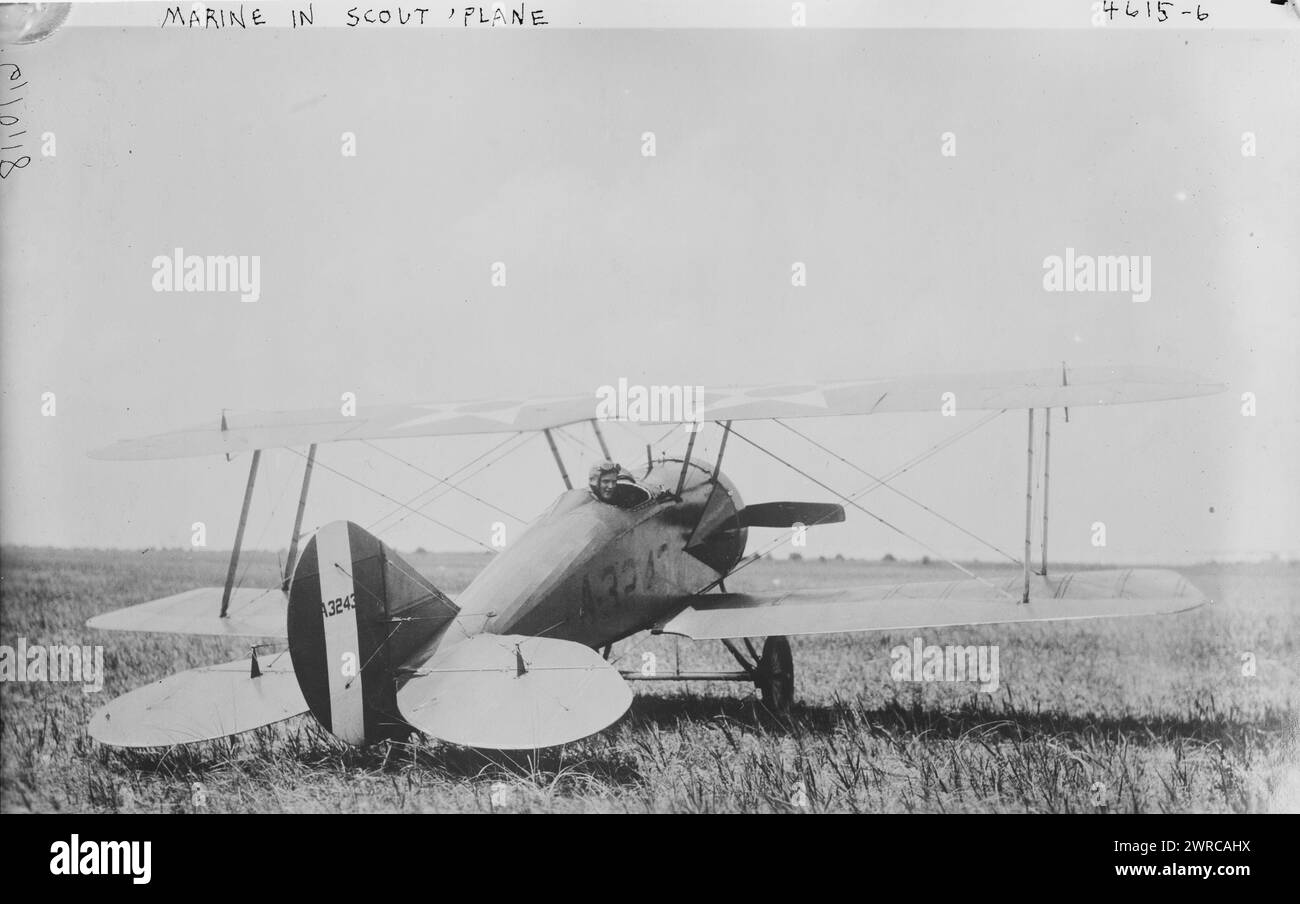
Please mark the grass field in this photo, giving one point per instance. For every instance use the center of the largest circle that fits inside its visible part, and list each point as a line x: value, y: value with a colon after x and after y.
x: 1130, y: 715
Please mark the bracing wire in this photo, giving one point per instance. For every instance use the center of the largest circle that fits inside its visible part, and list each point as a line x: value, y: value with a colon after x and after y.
x: 424, y: 515
x: 438, y: 492
x: 852, y: 500
x: 894, y: 489
x: 443, y: 480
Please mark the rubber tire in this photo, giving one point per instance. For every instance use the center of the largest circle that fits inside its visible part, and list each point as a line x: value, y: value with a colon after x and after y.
x: 776, y: 675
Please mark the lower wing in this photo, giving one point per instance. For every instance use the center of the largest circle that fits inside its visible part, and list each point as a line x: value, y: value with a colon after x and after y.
x: 251, y: 613
x: 1084, y: 594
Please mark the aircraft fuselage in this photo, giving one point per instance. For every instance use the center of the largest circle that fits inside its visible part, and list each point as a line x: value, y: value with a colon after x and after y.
x: 594, y: 573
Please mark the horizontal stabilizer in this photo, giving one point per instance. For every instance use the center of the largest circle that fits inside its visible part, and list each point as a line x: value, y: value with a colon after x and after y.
x: 508, y: 692
x: 252, y: 613
x: 890, y: 607
x: 788, y: 514
x: 202, y: 704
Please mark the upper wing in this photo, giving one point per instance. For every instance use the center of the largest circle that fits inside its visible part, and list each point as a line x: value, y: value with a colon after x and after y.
x: 237, y: 432
x: 1086, y: 594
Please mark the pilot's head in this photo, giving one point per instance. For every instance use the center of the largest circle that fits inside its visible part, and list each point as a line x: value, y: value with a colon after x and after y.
x: 602, y: 479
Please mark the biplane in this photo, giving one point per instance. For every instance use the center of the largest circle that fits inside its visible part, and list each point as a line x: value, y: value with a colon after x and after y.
x: 520, y: 659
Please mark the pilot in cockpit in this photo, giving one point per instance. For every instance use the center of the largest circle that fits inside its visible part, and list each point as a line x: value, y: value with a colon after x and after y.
x: 602, y: 479
x: 614, y: 485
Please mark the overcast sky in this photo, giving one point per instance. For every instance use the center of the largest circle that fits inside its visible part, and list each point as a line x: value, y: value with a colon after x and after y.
x: 772, y: 146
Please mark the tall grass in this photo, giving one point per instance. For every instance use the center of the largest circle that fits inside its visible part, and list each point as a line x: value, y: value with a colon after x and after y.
x: 1143, y: 715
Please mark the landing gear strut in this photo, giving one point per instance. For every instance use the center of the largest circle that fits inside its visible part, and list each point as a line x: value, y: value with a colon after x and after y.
x: 775, y: 675
x: 772, y: 672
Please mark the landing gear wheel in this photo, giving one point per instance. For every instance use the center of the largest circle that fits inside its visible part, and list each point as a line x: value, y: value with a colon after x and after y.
x: 776, y: 675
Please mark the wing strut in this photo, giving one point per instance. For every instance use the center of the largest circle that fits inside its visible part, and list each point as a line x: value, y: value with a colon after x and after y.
x: 1029, y: 502
x: 1047, y: 452
x: 239, y: 533
x: 600, y: 438
x: 297, y: 520
x: 550, y: 441
x: 1065, y: 381
x: 686, y: 461
x: 1029, y: 492
x: 717, y: 465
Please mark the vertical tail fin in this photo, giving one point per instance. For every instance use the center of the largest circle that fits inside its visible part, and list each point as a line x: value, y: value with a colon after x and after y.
x: 358, y: 616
